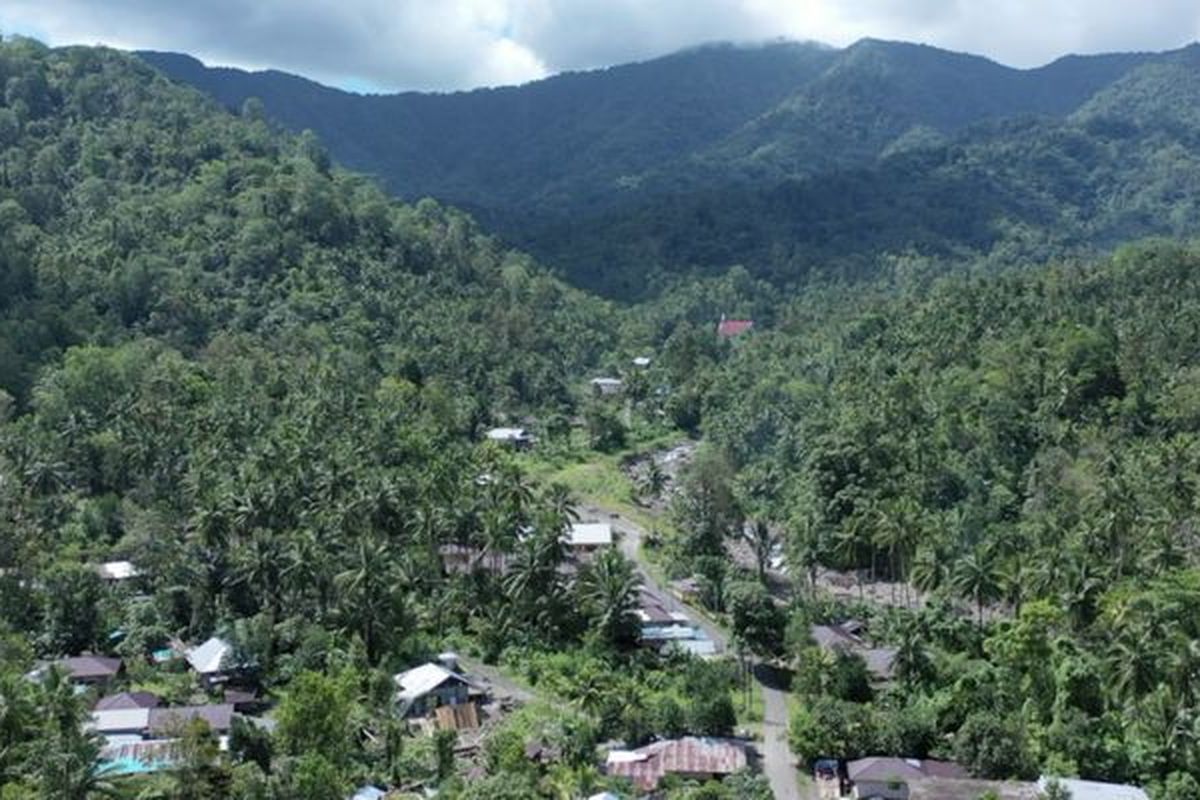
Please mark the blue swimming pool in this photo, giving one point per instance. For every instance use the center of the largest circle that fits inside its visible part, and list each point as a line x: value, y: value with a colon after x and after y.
x: 128, y: 765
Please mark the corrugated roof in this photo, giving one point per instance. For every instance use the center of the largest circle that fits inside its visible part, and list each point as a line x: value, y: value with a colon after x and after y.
x: 590, y: 534
x: 1095, y: 790
x: 690, y: 755
x: 885, y: 768
x: 120, y: 719
x: 127, y: 700
x: 734, y: 327
x: 117, y: 570
x: 210, y: 657
x: 420, y: 681
x: 507, y: 434
x: 85, y: 667
x: 171, y: 720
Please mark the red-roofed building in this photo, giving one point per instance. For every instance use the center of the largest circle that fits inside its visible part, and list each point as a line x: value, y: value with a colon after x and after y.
x: 729, y: 328
x: 690, y: 757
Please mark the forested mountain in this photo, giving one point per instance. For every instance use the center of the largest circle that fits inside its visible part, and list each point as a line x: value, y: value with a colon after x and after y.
x: 133, y: 208
x: 787, y: 158
x: 263, y: 382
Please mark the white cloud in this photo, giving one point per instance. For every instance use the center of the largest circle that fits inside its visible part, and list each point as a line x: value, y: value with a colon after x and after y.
x: 445, y: 44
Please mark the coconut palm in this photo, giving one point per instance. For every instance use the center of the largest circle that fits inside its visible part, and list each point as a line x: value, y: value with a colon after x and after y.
x: 366, y: 597
x: 652, y: 480
x: 609, y: 588
x: 762, y: 541
x: 976, y: 578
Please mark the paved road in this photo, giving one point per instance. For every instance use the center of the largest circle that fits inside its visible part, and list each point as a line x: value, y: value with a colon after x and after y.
x: 777, y: 761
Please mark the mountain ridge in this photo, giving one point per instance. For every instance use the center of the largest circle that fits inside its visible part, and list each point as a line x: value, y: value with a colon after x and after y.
x: 651, y: 168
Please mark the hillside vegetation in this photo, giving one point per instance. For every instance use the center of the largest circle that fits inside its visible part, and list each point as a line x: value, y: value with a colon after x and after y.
x: 791, y: 159
x: 264, y: 382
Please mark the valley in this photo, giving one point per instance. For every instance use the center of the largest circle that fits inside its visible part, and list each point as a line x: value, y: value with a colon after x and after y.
x: 752, y: 422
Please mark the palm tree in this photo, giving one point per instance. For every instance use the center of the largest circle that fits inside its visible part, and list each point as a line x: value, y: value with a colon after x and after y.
x: 68, y: 764
x: 847, y: 548
x: 652, y: 480
x: 806, y: 549
x: 366, y: 598
x: 72, y: 769
x: 609, y: 588
x: 260, y: 567
x: 928, y: 571
x: 762, y: 543
x: 912, y: 664
x: 975, y: 578
x: 304, y: 569
x: 1134, y: 663
x: 559, y: 506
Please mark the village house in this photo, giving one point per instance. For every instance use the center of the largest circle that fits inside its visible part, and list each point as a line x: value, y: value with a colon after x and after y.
x: 89, y: 670
x: 117, y: 571
x: 127, y: 700
x: 120, y: 725
x: 663, y: 629
x: 517, y: 438
x: 461, y: 559
x: 848, y: 637
x: 605, y: 387
x: 1094, y: 790
x: 884, y: 778
x: 588, y: 537
x: 213, y: 661
x: 731, y: 328
x: 126, y: 725
x: 641, y: 362
x: 423, y: 689
x: 698, y: 758
x: 171, y: 721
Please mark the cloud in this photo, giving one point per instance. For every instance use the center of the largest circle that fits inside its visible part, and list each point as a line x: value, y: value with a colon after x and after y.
x: 451, y: 44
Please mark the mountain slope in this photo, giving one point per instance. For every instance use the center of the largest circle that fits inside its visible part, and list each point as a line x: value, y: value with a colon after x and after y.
x: 785, y: 158
x: 498, y: 148
x: 132, y: 207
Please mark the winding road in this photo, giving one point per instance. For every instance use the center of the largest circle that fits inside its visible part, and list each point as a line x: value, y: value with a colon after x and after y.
x: 778, y: 764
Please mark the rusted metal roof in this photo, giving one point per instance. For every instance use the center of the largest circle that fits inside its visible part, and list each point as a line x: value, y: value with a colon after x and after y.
x: 690, y: 755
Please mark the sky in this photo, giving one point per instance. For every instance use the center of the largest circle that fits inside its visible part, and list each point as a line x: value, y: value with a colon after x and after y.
x: 394, y: 45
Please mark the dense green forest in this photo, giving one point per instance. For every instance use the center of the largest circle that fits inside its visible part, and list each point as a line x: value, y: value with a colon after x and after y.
x: 789, y: 159
x: 264, y: 382
x: 1025, y: 444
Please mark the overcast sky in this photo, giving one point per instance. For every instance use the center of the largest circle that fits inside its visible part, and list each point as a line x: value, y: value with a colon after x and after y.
x: 388, y: 45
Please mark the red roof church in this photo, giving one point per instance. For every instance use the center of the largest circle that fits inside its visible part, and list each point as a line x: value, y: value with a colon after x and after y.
x: 728, y: 328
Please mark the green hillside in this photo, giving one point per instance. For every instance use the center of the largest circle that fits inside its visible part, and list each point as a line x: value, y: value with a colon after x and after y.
x: 132, y: 208
x: 788, y: 159
x: 264, y: 382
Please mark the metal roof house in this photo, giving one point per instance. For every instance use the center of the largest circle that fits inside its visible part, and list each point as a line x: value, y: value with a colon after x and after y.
x: 512, y: 437
x: 730, y: 328
x: 214, y: 661
x: 88, y: 670
x: 590, y: 535
x: 127, y: 700
x: 1095, y: 790
x: 689, y: 757
x: 607, y: 386
x: 884, y: 778
x: 424, y: 688
x: 116, y: 571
